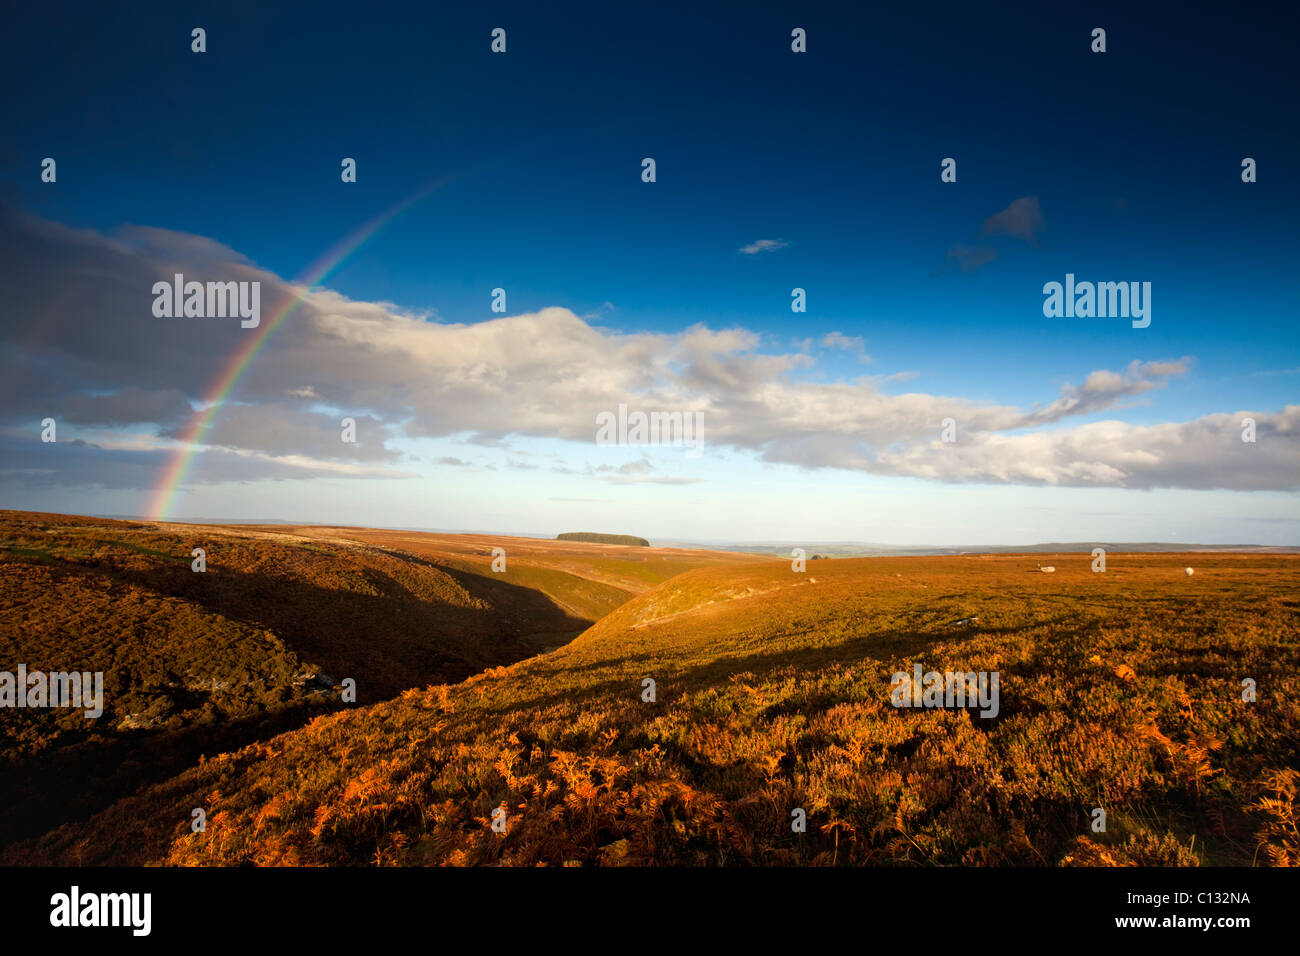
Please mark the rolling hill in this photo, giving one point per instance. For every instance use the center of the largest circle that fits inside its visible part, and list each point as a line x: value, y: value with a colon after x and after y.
x: 1120, y: 692
x: 262, y: 639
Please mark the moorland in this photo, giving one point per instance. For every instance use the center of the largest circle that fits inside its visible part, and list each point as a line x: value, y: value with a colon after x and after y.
x: 599, y: 704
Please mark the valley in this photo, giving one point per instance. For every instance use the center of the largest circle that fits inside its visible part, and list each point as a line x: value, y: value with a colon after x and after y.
x: 517, y: 698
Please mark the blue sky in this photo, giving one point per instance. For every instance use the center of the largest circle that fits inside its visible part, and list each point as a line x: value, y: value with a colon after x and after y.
x: 1131, y: 158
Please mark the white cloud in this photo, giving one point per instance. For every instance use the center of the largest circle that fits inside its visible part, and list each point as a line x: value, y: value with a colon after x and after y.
x: 847, y: 343
x: 545, y: 374
x: 1023, y: 219
x: 763, y: 245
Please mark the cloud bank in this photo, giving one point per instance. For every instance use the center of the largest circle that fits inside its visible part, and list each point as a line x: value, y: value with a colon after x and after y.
x: 81, y: 345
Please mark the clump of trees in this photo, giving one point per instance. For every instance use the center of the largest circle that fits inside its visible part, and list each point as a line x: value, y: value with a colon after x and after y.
x: 593, y: 537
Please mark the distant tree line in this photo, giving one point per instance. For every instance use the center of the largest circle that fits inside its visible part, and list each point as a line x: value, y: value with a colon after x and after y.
x: 593, y: 537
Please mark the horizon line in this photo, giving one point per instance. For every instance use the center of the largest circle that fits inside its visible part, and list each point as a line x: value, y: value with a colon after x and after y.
x: 677, y: 542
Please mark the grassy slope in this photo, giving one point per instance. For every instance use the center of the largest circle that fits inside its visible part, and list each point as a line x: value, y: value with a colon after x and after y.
x: 1120, y: 691
x: 208, y: 662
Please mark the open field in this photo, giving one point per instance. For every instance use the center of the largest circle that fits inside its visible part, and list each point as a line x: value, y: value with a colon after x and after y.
x: 1119, y: 691
x: 198, y: 663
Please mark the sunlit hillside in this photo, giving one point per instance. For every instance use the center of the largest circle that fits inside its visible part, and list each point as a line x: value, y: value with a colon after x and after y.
x: 1119, y: 691
x: 263, y: 638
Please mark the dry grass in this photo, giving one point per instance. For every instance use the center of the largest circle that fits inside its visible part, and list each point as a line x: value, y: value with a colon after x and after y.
x: 202, y: 663
x: 1119, y: 690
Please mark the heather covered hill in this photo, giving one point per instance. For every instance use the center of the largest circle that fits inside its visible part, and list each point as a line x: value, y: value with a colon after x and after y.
x: 387, y: 619
x: 262, y: 639
x: 1120, y: 691
x: 586, y: 579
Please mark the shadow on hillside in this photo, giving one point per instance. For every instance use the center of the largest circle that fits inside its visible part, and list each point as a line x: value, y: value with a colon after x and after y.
x: 388, y: 641
x: 77, y: 780
x: 544, y: 616
x: 880, y: 646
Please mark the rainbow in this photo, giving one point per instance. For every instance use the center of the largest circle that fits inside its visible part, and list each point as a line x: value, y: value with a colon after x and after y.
x: 182, y: 459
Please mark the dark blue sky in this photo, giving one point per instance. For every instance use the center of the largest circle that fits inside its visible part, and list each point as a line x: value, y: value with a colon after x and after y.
x: 1133, y: 157
x: 836, y: 151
